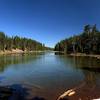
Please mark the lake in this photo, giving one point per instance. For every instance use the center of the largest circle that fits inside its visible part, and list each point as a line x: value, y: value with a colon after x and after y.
x: 47, y: 75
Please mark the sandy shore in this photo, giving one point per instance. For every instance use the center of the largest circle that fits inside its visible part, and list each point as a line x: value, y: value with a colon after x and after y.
x: 17, y: 51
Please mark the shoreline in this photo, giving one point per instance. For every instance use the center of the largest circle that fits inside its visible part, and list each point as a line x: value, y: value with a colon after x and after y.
x: 17, y: 51
x: 80, y: 54
x: 86, y: 55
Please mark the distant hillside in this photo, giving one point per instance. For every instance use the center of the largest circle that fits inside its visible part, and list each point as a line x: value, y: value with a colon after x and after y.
x: 86, y: 42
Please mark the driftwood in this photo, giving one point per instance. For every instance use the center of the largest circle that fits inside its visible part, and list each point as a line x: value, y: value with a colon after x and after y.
x: 81, y: 92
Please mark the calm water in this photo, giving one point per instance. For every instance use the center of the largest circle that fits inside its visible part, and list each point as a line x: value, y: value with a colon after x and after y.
x: 46, y: 74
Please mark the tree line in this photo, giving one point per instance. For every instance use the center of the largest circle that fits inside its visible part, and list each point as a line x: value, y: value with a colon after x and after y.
x: 87, y: 42
x: 16, y: 42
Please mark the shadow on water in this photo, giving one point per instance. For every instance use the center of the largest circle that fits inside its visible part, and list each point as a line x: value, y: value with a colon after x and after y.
x: 16, y: 92
x: 91, y: 69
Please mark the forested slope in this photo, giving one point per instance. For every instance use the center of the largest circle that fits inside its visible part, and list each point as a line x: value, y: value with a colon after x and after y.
x: 16, y: 42
x: 86, y: 42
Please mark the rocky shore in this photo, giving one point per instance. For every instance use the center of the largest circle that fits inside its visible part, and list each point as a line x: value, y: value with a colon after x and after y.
x: 79, y: 54
x: 86, y: 55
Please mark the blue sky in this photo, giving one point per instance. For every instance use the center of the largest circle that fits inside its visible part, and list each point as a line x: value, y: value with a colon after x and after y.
x: 47, y: 21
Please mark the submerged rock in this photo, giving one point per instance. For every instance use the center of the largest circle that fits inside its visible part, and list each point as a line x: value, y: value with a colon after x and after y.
x: 8, y: 93
x: 15, y: 92
x: 5, y: 93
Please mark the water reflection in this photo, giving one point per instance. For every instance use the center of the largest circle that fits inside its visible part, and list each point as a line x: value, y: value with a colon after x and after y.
x: 6, y: 60
x: 46, y: 74
x: 89, y: 87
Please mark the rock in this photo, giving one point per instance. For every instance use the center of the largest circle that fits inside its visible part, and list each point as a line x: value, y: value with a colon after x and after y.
x: 5, y: 93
